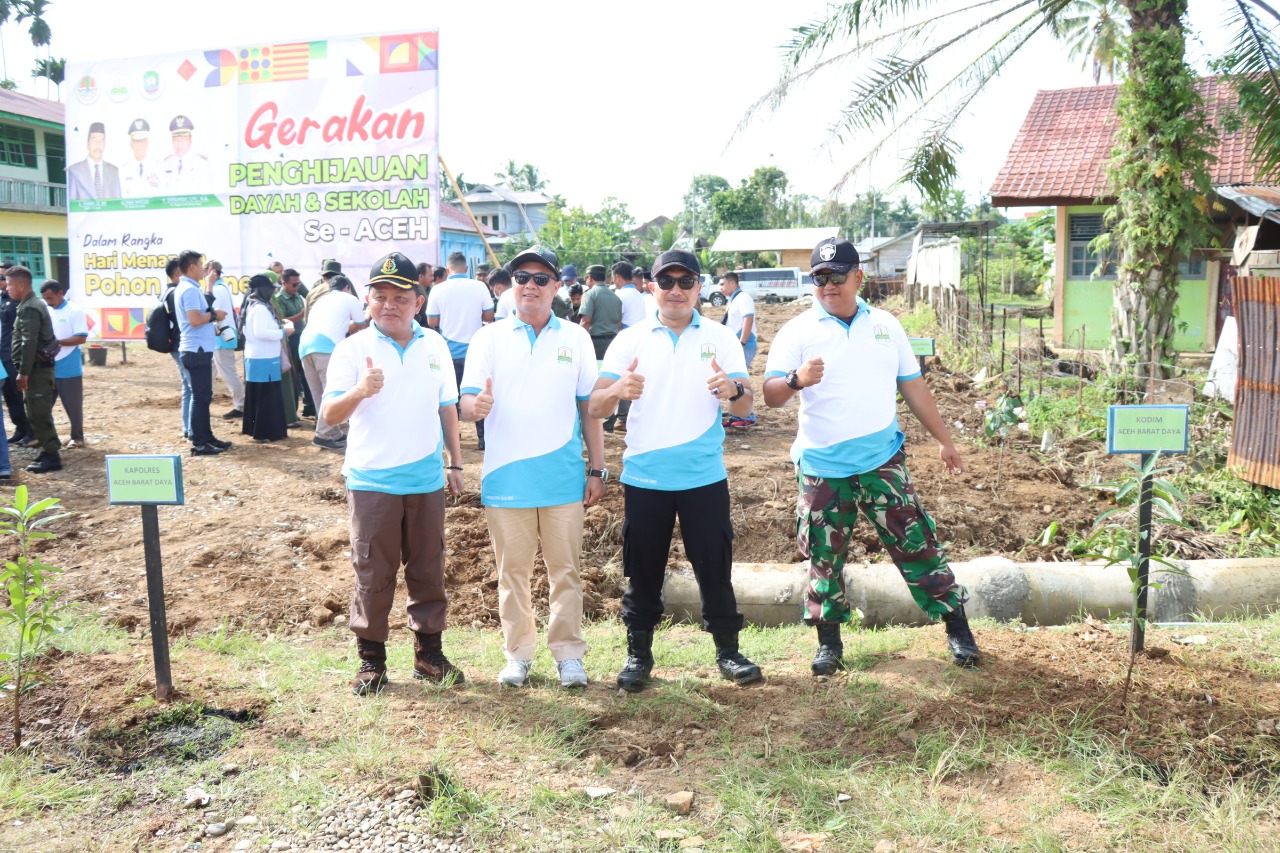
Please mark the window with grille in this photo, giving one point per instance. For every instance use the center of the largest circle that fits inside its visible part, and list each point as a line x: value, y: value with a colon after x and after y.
x: 1081, y: 261
x: 27, y: 251
x: 17, y: 146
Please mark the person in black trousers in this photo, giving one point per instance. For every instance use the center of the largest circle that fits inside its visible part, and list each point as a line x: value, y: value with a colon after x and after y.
x: 12, y: 394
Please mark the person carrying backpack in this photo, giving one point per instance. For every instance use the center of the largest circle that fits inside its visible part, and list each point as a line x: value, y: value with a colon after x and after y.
x: 163, y: 335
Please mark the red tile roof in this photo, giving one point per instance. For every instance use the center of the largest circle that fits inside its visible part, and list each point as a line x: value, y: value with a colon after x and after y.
x: 1060, y: 154
x: 452, y: 218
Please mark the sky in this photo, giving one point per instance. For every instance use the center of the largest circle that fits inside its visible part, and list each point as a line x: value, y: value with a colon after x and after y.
x: 629, y: 100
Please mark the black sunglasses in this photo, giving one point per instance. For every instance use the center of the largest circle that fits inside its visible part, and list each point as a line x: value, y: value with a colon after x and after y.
x: 541, y: 279
x: 666, y: 282
x: 823, y: 278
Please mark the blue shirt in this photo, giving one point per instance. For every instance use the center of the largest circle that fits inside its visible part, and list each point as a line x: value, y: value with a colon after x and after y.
x: 190, y: 298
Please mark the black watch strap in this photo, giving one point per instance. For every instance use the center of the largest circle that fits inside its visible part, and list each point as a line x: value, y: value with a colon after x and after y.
x: 602, y: 473
x: 793, y: 380
x: 741, y: 392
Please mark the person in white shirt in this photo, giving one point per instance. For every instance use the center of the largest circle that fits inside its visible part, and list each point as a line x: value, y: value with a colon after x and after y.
x: 70, y: 329
x: 632, y: 299
x: 676, y: 369
x: 500, y: 283
x: 264, y: 334
x: 848, y: 362
x: 140, y: 177
x: 456, y: 308
x: 644, y: 284
x: 393, y: 383
x: 228, y: 336
x: 740, y: 318
x: 529, y: 378
x: 330, y: 321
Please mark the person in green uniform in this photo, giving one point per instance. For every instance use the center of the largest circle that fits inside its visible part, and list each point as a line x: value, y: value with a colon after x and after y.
x: 328, y: 269
x: 291, y: 305
x: 32, y: 335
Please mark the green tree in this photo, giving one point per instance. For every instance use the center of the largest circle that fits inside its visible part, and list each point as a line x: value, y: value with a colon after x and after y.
x: 580, y: 237
x: 697, y: 218
x: 446, y: 189
x: 524, y: 178
x: 951, y: 207
x: 32, y: 13
x: 1159, y: 166
x: 1095, y: 32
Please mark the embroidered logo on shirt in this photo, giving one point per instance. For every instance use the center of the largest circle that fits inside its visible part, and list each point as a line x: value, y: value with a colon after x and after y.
x: 564, y: 355
x: 434, y: 361
x: 708, y: 352
x: 882, y: 334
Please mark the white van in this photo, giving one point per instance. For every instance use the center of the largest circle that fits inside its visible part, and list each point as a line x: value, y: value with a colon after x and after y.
x: 773, y: 285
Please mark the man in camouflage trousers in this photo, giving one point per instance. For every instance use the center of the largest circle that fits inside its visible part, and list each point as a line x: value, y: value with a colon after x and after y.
x: 848, y: 362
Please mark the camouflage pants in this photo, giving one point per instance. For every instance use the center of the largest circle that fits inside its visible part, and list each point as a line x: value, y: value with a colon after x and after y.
x: 825, y: 517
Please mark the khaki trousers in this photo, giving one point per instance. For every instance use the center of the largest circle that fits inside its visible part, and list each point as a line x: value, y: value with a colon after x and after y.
x: 316, y: 368
x: 516, y: 534
x: 388, y: 531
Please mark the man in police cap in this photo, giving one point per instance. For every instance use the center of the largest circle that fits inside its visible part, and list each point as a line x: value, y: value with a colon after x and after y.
x: 185, y: 171
x: 93, y: 177
x: 394, y: 383
x: 140, y: 177
x: 848, y: 362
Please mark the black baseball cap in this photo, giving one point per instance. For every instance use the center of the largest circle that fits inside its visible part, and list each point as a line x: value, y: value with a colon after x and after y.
x: 394, y: 269
x: 833, y: 255
x: 537, y: 255
x: 676, y: 258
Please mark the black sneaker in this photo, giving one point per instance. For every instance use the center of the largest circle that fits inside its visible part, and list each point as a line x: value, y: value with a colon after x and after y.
x: 232, y: 415
x: 207, y: 450
x: 217, y: 442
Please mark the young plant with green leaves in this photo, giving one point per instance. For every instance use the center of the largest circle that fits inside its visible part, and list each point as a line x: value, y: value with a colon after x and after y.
x: 31, y: 611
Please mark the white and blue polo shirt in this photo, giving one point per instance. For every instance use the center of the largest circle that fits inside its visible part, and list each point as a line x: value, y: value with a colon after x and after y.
x: 848, y: 421
x: 392, y: 446
x: 459, y: 303
x: 674, y: 437
x: 633, y: 312
x: 533, y: 433
x: 328, y: 320
x: 68, y: 321
x: 741, y: 306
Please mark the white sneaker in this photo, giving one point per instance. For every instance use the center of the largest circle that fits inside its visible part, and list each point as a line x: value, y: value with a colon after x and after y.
x: 515, y: 673
x: 572, y: 673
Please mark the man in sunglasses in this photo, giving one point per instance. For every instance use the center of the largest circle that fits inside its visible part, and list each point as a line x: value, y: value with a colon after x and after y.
x: 847, y: 362
x: 676, y: 369
x: 528, y: 377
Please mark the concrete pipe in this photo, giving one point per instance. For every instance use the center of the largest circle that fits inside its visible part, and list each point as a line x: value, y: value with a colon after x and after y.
x: 999, y: 588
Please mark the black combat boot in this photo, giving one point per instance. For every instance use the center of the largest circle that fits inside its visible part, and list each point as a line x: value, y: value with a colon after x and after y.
x: 830, y: 655
x: 46, y: 462
x: 372, y: 675
x: 734, y: 665
x: 429, y: 662
x: 635, y: 672
x: 964, y: 648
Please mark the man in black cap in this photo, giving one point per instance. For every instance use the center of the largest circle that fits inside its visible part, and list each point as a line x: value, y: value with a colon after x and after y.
x: 677, y: 369
x: 394, y: 383
x: 12, y: 396
x: 140, y: 177
x: 185, y: 171
x: 93, y: 177
x: 848, y: 362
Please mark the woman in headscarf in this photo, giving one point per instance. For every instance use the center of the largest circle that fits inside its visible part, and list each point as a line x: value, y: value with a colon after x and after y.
x: 264, y: 417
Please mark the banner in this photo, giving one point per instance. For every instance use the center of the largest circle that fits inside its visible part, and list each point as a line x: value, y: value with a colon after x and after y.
x: 293, y: 152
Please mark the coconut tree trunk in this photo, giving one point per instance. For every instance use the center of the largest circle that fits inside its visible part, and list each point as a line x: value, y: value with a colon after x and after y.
x: 1161, y: 187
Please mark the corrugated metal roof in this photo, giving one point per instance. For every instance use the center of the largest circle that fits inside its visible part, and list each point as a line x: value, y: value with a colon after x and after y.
x: 1061, y: 151
x: 1258, y: 200
x: 19, y: 104
x: 773, y: 239
x: 453, y: 218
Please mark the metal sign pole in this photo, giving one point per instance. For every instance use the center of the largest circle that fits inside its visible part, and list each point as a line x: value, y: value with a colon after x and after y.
x: 155, y: 599
x: 1139, y: 636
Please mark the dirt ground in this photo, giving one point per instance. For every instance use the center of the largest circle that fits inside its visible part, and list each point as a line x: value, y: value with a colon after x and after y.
x: 263, y: 537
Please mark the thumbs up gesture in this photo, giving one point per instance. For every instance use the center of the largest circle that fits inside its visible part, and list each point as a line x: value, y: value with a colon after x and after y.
x: 484, y: 401
x: 719, y: 383
x: 630, y: 385
x: 370, y: 382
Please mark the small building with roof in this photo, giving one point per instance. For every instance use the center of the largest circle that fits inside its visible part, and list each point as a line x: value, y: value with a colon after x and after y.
x: 793, y: 246
x: 513, y: 212
x: 458, y: 235
x: 33, y: 185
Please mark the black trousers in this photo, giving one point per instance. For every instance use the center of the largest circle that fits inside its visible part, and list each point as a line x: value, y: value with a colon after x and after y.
x: 13, y: 401
x: 708, y: 543
x: 459, y: 364
x: 199, y: 366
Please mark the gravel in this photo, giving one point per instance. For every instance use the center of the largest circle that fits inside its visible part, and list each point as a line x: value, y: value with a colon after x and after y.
x: 396, y: 825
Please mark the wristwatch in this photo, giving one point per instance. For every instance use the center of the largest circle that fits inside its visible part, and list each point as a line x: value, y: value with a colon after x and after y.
x: 602, y: 473
x: 741, y: 392
x: 793, y: 380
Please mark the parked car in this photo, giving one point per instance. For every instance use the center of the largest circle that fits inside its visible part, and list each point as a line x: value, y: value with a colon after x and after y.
x: 772, y: 285
x: 711, y: 290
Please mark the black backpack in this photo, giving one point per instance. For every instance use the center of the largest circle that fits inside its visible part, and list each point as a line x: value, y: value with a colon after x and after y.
x: 163, y: 334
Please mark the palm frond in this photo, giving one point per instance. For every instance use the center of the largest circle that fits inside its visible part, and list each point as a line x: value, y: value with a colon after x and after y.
x: 1253, y: 60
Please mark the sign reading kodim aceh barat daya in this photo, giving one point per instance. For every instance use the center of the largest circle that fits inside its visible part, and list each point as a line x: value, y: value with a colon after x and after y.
x: 1147, y: 429
x: 289, y: 151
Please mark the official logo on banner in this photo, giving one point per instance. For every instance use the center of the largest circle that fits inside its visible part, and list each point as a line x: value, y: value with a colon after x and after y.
x: 434, y: 361
x: 882, y: 334
x: 87, y: 90
x: 150, y: 85
x: 564, y: 355
x: 708, y: 352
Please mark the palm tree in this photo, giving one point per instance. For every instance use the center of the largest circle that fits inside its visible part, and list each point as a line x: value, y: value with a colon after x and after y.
x: 1159, y: 168
x: 38, y: 29
x: 52, y: 70
x: 524, y: 178
x: 1094, y: 31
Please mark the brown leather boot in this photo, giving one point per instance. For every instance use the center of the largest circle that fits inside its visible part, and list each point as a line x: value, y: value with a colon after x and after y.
x: 429, y: 662
x: 372, y: 675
